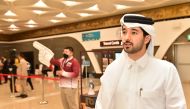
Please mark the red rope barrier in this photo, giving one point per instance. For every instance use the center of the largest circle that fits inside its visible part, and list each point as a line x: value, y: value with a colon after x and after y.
x: 32, y: 76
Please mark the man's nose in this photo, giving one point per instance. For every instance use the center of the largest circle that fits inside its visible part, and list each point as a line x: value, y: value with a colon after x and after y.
x: 126, y: 37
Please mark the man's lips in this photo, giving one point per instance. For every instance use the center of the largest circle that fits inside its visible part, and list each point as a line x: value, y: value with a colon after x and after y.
x: 127, y: 44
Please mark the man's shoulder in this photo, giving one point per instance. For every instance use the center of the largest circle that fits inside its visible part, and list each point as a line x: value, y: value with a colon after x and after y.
x: 161, y: 63
x: 74, y: 59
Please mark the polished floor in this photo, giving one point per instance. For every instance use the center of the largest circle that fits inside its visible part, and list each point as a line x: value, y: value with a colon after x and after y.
x: 35, y: 97
x: 51, y: 95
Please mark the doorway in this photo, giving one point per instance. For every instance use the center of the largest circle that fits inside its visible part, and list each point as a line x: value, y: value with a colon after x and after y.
x: 182, y: 60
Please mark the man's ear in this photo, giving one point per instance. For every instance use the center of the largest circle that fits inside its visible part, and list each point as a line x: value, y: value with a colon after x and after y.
x: 147, y: 39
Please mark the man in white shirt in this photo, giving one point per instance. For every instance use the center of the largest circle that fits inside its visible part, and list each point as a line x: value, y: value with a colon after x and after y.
x: 22, y: 70
x: 137, y: 80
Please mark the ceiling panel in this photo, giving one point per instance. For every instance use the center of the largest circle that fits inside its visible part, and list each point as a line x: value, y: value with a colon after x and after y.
x: 72, y: 11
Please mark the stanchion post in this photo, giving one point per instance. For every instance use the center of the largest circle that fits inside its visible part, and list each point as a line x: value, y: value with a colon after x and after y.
x: 86, y: 74
x: 78, y: 94
x: 12, y: 78
x: 43, y: 100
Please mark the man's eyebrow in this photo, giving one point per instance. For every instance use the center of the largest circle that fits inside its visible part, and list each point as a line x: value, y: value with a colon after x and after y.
x: 134, y: 29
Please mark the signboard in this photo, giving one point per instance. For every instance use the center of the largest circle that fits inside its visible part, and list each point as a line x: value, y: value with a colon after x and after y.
x: 86, y: 63
x: 91, y: 36
x: 110, y: 43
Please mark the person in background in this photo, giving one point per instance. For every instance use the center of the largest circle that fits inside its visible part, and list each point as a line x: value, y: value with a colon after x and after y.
x: 29, y: 80
x: 1, y: 67
x: 22, y: 70
x: 5, y: 69
x: 69, y: 75
x: 137, y: 80
x: 11, y: 66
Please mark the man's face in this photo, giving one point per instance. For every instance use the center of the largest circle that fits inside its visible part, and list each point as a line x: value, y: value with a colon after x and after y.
x: 133, y: 40
x: 67, y: 51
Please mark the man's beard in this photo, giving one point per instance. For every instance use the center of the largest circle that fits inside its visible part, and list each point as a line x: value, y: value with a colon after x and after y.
x: 130, y: 48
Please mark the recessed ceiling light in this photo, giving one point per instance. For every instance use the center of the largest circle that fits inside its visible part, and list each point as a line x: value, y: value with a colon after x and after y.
x: 40, y: 4
x: 12, y: 26
x: 10, y: 20
x: 60, y: 15
x: 1, y: 30
x: 39, y: 12
x: 93, y: 8
x: 120, y: 7
x: 71, y: 3
x: 31, y: 26
x: 10, y: 13
x: 14, y: 29
x: 84, y: 14
x: 137, y: 0
x: 31, y: 22
x: 54, y: 21
x: 9, y: 0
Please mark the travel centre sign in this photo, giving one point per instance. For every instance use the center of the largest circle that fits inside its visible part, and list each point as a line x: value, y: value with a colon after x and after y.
x: 110, y: 43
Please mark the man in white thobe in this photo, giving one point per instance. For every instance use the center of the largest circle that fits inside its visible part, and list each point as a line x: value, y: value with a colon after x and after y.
x: 137, y: 80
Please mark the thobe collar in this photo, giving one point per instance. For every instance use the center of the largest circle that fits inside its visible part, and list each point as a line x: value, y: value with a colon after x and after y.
x: 141, y: 62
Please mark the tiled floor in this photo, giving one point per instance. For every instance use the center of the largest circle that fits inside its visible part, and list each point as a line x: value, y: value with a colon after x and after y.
x: 52, y: 95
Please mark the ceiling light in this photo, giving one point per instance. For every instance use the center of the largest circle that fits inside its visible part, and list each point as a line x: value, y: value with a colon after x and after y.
x: 71, y: 3
x: 14, y: 29
x: 10, y: 13
x: 40, y: 4
x: 31, y: 22
x: 137, y: 0
x: 39, y: 12
x: 1, y: 30
x: 9, y: 0
x: 60, y: 15
x: 10, y: 20
x: 12, y: 26
x: 31, y: 26
x: 120, y: 7
x: 84, y: 14
x: 55, y: 21
x: 93, y: 8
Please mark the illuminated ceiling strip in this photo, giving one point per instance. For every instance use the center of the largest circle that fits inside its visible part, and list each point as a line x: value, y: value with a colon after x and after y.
x: 71, y: 3
x: 31, y: 22
x: 31, y: 26
x: 9, y: 0
x: 10, y: 20
x: 14, y: 29
x: 61, y: 15
x: 84, y: 14
x: 40, y: 4
x: 39, y: 12
x: 121, y: 7
x: 55, y: 21
x: 10, y: 13
x: 12, y: 26
x: 93, y: 8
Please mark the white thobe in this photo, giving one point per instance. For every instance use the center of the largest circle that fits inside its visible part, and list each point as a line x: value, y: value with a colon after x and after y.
x: 147, y: 83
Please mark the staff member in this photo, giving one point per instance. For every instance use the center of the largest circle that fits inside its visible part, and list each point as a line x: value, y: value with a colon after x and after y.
x: 69, y: 75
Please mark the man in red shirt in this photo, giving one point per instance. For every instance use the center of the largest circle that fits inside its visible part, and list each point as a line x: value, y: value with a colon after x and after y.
x: 69, y: 76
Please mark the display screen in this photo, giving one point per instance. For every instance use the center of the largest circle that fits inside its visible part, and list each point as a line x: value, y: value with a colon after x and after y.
x: 117, y: 54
